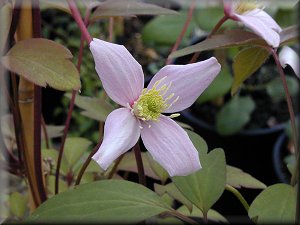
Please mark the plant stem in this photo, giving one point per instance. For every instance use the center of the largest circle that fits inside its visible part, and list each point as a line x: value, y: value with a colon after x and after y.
x: 76, y: 15
x: 26, y: 106
x: 291, y: 112
x: 214, y: 30
x: 63, y: 140
x: 139, y: 163
x: 111, y: 29
x: 36, y: 19
x: 86, y: 163
x: 238, y: 195
x: 114, y: 169
x: 72, y: 103
x: 185, y: 26
x: 296, y: 175
x: 182, y: 217
x: 45, y: 133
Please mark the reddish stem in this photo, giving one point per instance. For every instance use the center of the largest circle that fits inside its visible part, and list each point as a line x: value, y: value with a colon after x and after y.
x: 79, y: 21
x: 139, y: 163
x: 72, y: 103
x: 296, y: 174
x: 38, y: 111
x: 87, y: 162
x: 214, y: 30
x: 185, y: 26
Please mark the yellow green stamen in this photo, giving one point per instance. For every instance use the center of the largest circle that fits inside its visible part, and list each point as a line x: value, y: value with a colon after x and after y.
x: 245, y: 6
x: 152, y: 103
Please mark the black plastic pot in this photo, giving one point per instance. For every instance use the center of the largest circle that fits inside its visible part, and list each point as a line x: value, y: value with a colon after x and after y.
x: 250, y: 150
x: 279, y: 152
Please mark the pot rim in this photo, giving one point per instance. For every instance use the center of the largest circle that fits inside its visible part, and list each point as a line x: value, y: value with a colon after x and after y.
x: 276, y: 158
x: 187, y: 114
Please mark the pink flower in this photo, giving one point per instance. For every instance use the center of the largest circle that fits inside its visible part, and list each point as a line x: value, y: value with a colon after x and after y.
x: 172, y: 89
x: 288, y: 56
x: 256, y: 19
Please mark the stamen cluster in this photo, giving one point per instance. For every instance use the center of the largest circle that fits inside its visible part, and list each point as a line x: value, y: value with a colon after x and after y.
x: 153, y: 102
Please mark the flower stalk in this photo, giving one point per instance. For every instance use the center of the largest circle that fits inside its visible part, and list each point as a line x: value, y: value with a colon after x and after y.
x: 291, y: 112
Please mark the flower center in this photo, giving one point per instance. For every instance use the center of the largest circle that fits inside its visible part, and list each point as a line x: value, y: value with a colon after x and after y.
x: 152, y: 103
x: 245, y: 6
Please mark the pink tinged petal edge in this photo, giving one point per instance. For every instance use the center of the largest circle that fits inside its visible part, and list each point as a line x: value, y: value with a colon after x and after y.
x: 121, y: 132
x: 121, y: 75
x: 228, y: 7
x: 171, y: 147
x: 188, y: 81
x: 287, y: 56
x: 262, y: 24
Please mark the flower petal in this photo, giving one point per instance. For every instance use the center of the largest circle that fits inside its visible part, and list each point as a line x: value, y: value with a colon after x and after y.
x: 188, y: 81
x: 121, y: 132
x: 262, y: 24
x: 170, y: 146
x: 121, y: 75
x: 288, y: 56
x: 228, y: 7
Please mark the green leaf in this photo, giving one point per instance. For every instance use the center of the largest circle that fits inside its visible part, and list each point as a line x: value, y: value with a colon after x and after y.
x: 234, y: 115
x: 18, y: 204
x: 158, y: 169
x: 112, y: 201
x: 286, y: 16
x: 204, y: 187
x: 289, y: 34
x: 74, y: 149
x: 238, y: 178
x: 198, y: 141
x: 211, y: 215
x: 43, y: 62
x: 276, y: 91
x: 246, y: 63
x: 230, y: 38
x: 50, y: 181
x: 218, y: 88
x: 214, y: 13
x: 54, y: 131
x: 56, y: 4
x: 165, y: 29
x: 173, y: 191
x: 275, y: 205
x: 128, y: 163
x: 128, y: 8
x: 50, y: 157
x: 95, y: 108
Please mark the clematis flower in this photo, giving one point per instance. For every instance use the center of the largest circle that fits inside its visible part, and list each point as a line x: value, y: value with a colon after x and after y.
x: 248, y: 13
x: 288, y: 56
x: 172, y: 89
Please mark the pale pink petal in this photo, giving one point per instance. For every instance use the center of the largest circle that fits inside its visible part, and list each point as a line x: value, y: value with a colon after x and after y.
x: 121, y: 132
x: 188, y: 81
x: 121, y: 75
x: 170, y: 146
x: 288, y: 56
x: 228, y: 7
x: 262, y: 24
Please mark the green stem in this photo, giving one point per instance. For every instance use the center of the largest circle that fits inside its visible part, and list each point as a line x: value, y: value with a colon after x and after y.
x: 238, y: 195
x: 214, y: 30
